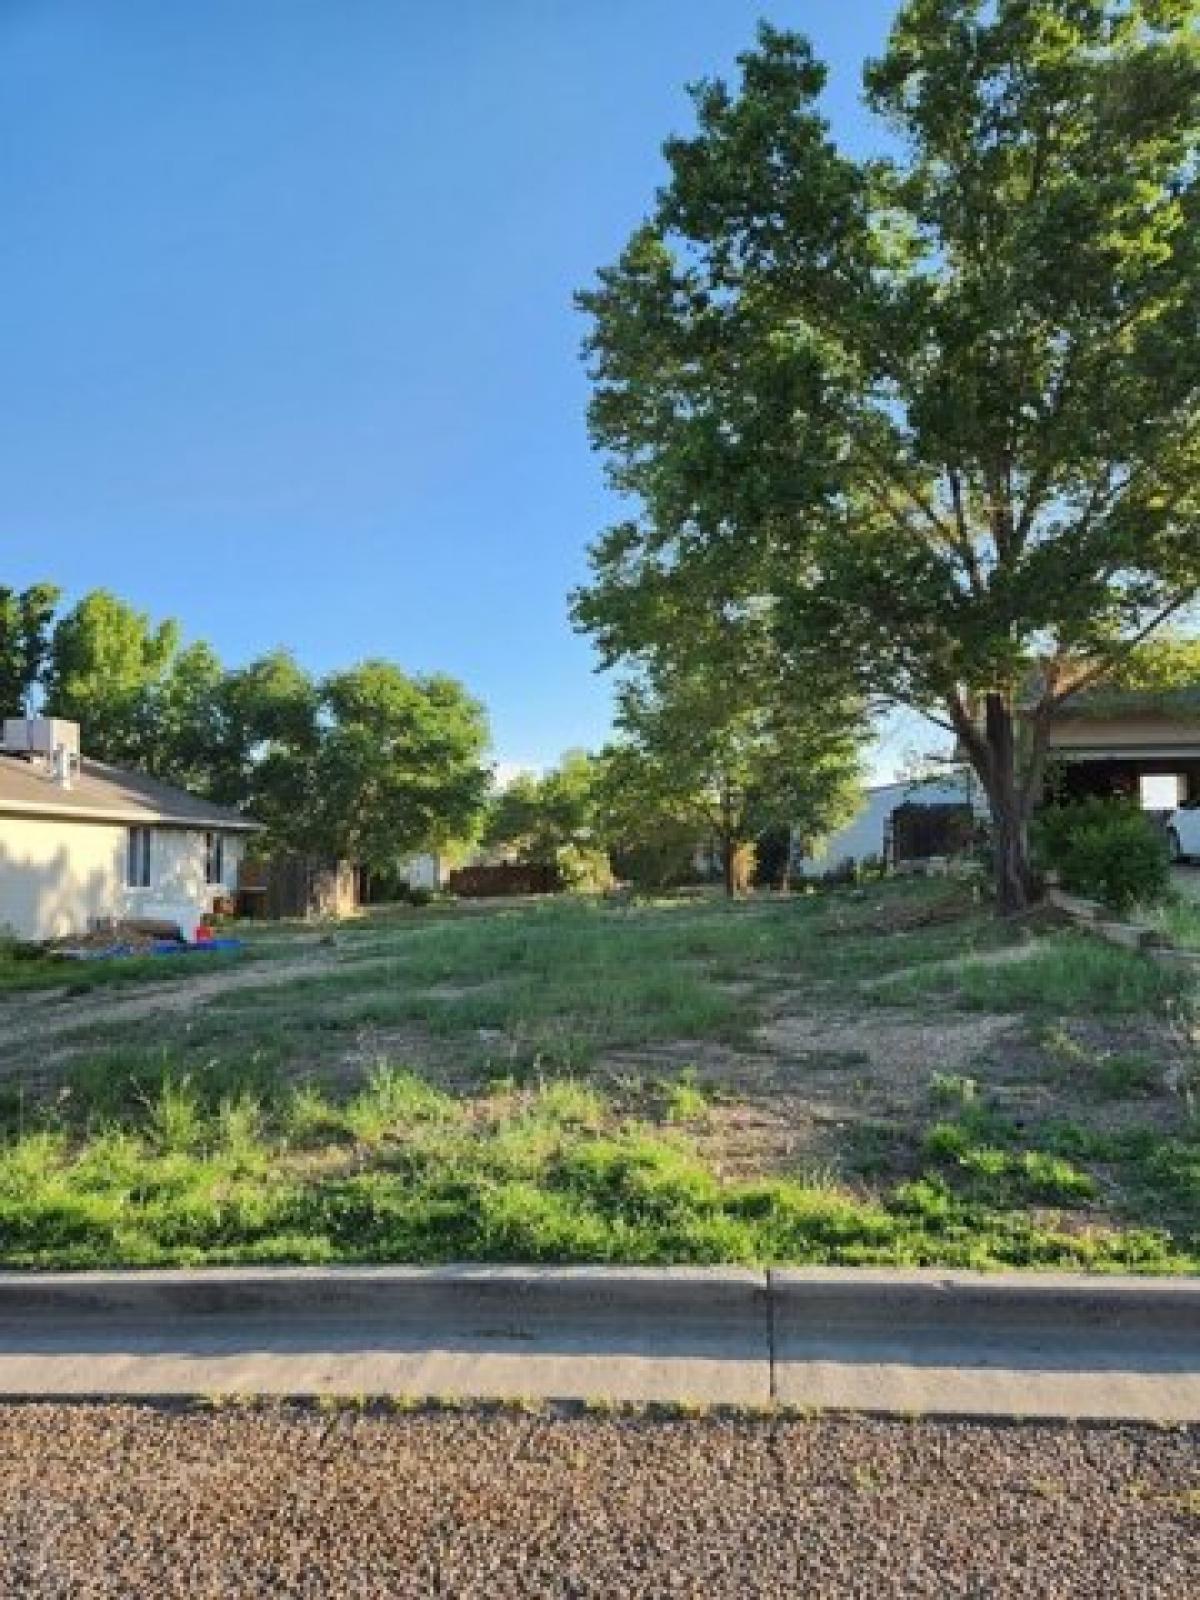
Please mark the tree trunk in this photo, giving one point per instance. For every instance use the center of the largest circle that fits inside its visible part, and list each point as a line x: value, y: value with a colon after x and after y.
x: 1012, y: 795
x: 1009, y: 807
x: 729, y: 867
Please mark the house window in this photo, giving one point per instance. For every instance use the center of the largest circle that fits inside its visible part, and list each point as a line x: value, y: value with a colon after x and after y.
x: 214, y: 858
x: 137, y: 858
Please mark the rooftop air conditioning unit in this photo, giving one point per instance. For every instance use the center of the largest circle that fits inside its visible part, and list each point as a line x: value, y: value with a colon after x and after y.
x: 41, y: 736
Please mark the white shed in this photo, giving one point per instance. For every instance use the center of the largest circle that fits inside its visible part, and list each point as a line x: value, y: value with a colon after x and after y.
x: 82, y: 843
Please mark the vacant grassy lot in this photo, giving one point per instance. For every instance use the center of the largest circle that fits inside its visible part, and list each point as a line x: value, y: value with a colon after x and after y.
x: 882, y: 1075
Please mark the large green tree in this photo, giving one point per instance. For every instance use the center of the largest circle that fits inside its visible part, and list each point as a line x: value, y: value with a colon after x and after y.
x: 939, y: 407
x: 108, y: 665
x: 398, y: 765
x: 26, y: 618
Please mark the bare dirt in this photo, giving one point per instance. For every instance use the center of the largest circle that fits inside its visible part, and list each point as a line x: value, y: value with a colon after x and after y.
x: 54, y: 1012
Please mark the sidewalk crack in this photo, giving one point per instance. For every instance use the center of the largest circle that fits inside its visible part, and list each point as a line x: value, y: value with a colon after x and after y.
x: 772, y: 1386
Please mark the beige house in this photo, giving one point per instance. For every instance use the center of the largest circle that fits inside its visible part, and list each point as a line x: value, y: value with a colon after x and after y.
x: 1142, y: 745
x: 83, y: 844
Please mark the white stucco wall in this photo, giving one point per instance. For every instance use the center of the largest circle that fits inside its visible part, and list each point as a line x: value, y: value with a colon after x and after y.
x: 864, y: 835
x: 59, y: 878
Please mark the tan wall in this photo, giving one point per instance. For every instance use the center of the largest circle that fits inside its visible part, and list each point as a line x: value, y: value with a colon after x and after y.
x: 58, y: 878
x: 1120, y: 733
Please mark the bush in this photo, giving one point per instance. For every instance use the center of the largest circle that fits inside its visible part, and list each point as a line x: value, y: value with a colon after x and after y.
x: 1105, y: 849
x: 583, y: 870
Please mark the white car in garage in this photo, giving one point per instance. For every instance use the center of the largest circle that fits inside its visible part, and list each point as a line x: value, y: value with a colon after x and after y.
x: 1183, y: 831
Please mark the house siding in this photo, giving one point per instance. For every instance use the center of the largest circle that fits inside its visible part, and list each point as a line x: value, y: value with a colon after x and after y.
x: 865, y: 834
x: 58, y: 877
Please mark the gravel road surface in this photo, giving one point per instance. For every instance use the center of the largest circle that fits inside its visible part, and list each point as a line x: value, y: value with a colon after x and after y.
x: 128, y: 1501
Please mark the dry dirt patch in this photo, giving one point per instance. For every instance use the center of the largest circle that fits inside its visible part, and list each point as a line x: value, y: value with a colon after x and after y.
x: 898, y: 1046
x: 52, y: 1013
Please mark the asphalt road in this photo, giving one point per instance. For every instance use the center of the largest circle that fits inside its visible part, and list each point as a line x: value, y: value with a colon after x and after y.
x: 125, y: 1501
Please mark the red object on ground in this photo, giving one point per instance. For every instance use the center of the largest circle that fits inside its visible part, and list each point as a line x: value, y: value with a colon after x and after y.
x: 203, y: 933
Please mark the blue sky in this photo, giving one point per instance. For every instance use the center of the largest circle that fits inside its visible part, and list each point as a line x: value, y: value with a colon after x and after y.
x: 285, y: 310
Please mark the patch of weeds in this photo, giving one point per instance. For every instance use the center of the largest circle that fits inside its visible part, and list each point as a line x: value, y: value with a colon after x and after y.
x: 1062, y: 1045
x: 1064, y: 974
x: 116, y: 1084
x: 310, y: 1119
x: 878, y: 1149
x: 530, y: 1179
x: 685, y: 1100
x: 953, y: 1089
x: 393, y: 1102
x: 979, y: 1151
x: 571, y: 1104
x: 26, y: 972
x: 240, y: 1127
x: 1121, y: 1075
x: 175, y: 1118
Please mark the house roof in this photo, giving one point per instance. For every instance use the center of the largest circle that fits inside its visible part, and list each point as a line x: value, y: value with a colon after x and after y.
x: 100, y: 793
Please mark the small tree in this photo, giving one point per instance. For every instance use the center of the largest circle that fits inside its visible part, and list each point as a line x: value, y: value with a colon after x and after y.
x: 553, y: 820
x: 941, y: 410
x: 727, y: 754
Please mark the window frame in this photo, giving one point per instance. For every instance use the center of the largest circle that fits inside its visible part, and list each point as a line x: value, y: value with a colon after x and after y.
x: 214, y: 858
x: 138, y: 872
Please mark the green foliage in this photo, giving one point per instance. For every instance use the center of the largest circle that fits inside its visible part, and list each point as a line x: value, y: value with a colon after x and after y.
x: 717, y: 739
x: 108, y: 666
x: 1066, y: 974
x: 864, y: 399
x: 21, y: 970
x: 553, y: 820
x: 25, y: 620
x: 583, y: 869
x: 1108, y: 850
x: 201, y: 1149
x: 549, y: 1175
x: 953, y: 1089
x: 368, y: 764
x: 398, y: 764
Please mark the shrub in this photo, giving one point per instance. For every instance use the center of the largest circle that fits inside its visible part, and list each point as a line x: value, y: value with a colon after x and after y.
x: 1105, y: 849
x: 583, y: 870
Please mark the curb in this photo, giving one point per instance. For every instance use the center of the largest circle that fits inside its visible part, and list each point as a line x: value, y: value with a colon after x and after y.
x: 698, y: 1293
x: 950, y: 1302
x: 821, y: 1297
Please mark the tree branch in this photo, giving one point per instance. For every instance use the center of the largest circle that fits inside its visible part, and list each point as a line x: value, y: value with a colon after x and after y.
x: 1051, y: 702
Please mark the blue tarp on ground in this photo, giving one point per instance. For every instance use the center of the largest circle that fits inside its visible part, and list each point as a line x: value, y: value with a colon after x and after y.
x: 161, y: 947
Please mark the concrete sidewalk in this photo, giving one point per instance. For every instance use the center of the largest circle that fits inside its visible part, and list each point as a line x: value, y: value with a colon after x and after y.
x: 941, y: 1344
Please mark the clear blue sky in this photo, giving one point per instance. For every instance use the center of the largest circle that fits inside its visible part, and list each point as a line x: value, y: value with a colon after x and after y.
x: 287, y: 337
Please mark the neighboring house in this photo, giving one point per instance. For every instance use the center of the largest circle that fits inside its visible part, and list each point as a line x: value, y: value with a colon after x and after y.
x: 1141, y: 744
x: 425, y: 871
x: 867, y: 836
x: 83, y: 844
x: 1138, y: 744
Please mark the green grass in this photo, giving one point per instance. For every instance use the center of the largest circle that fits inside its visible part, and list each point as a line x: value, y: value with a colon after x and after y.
x: 23, y: 973
x: 1064, y: 974
x: 1178, y: 921
x: 554, y: 986
x: 251, y: 1128
x: 402, y: 1171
